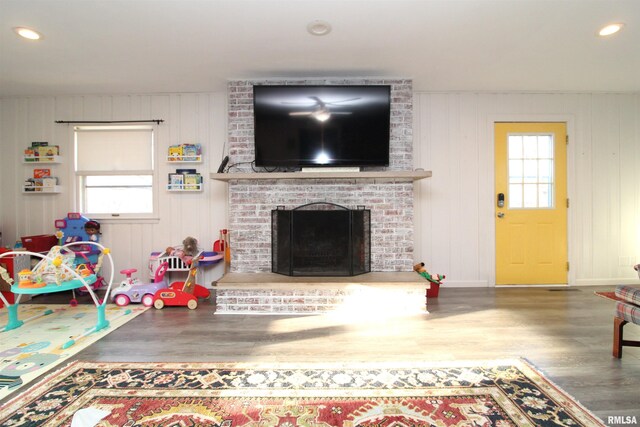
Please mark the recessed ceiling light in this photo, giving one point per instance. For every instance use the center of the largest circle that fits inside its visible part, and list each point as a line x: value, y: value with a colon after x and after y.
x: 28, y: 33
x: 319, y: 28
x: 610, y: 29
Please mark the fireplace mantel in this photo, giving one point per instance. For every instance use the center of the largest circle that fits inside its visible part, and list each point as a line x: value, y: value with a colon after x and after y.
x: 386, y: 175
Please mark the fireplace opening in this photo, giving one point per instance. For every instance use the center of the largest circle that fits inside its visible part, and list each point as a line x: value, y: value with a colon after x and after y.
x: 321, y: 239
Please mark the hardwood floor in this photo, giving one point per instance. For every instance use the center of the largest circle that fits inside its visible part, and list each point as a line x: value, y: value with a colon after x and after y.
x: 564, y: 332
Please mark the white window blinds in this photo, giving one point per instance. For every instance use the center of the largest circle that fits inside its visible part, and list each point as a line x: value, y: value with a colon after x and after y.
x: 114, y: 150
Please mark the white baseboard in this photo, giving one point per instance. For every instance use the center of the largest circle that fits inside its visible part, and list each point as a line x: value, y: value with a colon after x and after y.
x: 604, y: 282
x: 466, y: 284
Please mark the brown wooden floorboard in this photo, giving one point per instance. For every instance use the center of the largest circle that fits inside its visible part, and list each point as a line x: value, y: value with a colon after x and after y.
x: 566, y: 333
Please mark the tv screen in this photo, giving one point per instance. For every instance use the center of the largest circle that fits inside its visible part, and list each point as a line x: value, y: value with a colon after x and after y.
x: 309, y: 126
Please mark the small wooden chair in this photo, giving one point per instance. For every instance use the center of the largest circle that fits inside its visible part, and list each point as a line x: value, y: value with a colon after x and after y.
x: 627, y: 311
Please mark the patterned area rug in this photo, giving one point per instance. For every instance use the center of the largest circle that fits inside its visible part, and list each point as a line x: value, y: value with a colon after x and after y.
x: 498, y: 393
x: 36, y: 347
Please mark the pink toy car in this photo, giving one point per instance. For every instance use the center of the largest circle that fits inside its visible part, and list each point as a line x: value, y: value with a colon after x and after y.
x: 132, y: 290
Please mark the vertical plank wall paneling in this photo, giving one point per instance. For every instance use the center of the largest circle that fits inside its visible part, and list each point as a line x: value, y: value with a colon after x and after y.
x: 199, y: 118
x: 453, y: 137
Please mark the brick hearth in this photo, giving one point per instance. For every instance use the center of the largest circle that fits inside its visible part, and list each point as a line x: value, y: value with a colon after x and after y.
x: 266, y: 293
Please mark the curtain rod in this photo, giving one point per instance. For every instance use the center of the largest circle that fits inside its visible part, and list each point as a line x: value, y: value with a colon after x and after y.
x: 157, y: 121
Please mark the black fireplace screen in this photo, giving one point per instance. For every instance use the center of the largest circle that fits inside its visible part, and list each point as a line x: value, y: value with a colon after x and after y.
x: 321, y: 239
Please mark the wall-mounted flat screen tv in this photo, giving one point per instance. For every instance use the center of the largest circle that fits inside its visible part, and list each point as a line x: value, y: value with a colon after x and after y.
x: 307, y: 126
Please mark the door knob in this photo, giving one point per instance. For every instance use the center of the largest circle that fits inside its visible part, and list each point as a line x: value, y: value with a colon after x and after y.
x: 500, y: 214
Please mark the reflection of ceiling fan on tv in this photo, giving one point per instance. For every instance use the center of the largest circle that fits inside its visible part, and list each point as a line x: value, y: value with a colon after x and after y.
x: 320, y: 110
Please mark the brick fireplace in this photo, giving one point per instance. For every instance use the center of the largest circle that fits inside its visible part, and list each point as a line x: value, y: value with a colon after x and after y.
x: 251, y: 201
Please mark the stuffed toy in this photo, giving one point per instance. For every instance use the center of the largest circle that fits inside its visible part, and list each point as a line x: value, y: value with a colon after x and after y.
x: 190, y: 246
x: 433, y: 278
x: 187, y: 252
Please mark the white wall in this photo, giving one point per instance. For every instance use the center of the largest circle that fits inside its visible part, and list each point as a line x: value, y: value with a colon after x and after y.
x: 453, y: 136
x: 199, y: 118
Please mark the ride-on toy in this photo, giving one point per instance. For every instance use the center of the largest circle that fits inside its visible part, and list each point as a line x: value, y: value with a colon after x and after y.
x: 182, y: 293
x: 133, y: 290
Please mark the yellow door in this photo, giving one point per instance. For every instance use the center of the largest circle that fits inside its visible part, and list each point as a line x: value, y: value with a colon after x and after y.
x: 531, y: 203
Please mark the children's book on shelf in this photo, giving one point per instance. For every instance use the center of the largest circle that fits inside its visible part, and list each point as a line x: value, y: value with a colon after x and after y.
x: 176, y: 181
x: 175, y: 153
x: 192, y: 152
x: 192, y: 181
x: 49, y: 182
x: 30, y: 155
x: 48, y: 151
x: 41, y: 173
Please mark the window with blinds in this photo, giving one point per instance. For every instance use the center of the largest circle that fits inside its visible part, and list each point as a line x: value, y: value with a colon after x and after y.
x: 115, y: 170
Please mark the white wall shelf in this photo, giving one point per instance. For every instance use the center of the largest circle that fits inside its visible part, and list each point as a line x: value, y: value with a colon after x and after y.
x: 42, y: 190
x: 184, y: 188
x: 50, y: 160
x: 184, y: 159
x: 386, y: 175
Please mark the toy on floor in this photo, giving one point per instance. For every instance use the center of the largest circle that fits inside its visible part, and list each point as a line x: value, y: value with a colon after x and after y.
x: 86, y: 266
x: 182, y: 293
x: 132, y: 290
x: 179, y: 257
x: 72, y: 232
x: 222, y: 246
x: 186, y: 253
x: 434, y: 279
x: 56, y: 270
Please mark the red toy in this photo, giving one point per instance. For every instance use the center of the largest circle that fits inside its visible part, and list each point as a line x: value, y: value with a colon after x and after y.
x: 182, y: 293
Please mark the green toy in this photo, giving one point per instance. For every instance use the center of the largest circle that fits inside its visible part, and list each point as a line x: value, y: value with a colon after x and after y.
x: 433, y: 278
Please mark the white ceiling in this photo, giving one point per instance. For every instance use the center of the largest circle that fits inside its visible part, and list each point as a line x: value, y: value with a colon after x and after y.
x: 153, y: 46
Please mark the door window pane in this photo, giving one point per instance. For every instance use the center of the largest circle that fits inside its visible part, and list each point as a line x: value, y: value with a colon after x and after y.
x: 515, y: 171
x: 530, y: 147
x: 544, y: 196
x: 545, y: 171
x: 530, y: 196
x: 531, y: 165
x: 515, y: 195
x: 515, y: 147
x: 545, y: 147
x: 531, y: 171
